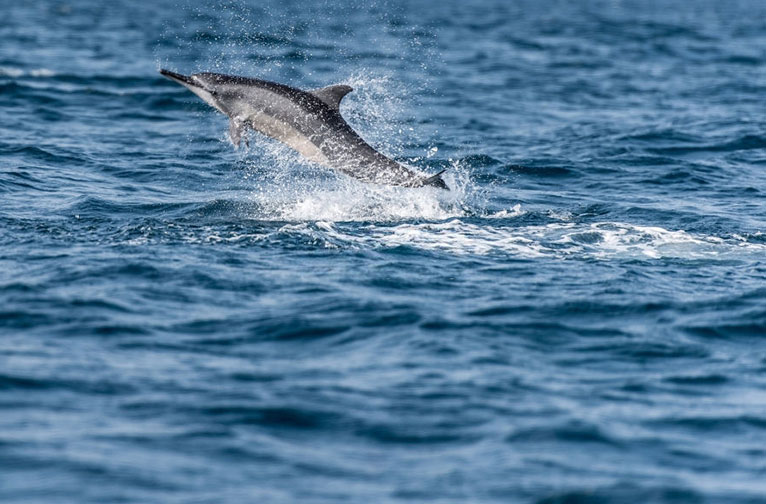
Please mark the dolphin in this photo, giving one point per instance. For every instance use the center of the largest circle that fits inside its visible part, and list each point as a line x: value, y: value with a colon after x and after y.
x: 306, y: 121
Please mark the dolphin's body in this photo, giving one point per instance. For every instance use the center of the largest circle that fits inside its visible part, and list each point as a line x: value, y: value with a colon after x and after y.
x: 308, y: 122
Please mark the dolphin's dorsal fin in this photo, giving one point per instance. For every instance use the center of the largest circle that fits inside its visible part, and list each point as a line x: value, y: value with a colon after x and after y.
x: 332, y: 95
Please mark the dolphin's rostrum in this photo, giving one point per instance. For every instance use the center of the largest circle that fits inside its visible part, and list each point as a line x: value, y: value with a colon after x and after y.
x: 307, y: 121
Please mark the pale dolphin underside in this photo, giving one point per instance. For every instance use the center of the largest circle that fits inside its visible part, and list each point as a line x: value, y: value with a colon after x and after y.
x: 307, y: 121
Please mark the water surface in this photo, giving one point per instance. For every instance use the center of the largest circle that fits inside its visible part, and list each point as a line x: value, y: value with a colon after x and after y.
x: 581, y: 319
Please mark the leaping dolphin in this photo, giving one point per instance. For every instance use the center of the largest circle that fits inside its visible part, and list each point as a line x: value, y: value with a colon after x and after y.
x: 306, y: 121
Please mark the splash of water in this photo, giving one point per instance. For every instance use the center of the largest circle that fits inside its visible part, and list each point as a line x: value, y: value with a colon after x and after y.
x: 289, y: 188
x: 299, y: 193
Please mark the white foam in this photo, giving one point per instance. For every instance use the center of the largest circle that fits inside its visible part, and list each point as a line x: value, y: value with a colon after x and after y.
x: 505, y: 214
x: 603, y: 241
x: 350, y: 201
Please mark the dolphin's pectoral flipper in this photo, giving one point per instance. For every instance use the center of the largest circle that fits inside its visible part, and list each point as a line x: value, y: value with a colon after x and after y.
x: 435, y: 181
x: 332, y: 95
x: 236, y: 130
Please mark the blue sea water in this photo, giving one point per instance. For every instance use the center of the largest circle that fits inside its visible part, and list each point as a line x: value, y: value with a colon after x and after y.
x: 581, y: 319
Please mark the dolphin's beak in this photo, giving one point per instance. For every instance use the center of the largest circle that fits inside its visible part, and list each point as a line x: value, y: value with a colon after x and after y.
x: 181, y: 79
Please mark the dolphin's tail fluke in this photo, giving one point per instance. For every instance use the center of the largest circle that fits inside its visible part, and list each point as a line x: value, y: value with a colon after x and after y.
x: 435, y: 181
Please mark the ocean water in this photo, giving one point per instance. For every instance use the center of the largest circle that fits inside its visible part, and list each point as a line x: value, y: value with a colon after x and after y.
x: 581, y: 319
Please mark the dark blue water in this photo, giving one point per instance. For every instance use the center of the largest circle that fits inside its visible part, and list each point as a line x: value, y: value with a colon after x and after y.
x: 581, y: 319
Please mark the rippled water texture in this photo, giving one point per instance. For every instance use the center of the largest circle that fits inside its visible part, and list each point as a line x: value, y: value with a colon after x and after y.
x: 581, y: 319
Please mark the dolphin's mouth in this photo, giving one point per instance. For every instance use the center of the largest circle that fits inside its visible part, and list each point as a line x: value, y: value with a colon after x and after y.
x: 178, y: 77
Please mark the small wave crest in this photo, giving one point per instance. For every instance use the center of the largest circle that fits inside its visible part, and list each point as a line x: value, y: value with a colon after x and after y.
x: 15, y: 72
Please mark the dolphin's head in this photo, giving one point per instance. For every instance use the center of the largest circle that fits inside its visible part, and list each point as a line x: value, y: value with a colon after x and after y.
x: 200, y: 84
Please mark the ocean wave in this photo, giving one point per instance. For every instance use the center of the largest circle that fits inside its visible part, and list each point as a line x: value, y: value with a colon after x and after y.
x: 603, y: 240
x: 15, y: 72
x: 493, y: 235
x: 391, y: 218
